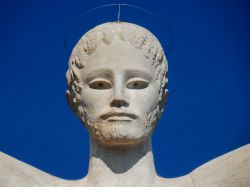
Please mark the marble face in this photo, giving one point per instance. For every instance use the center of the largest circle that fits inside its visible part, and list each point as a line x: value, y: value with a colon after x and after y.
x: 117, y: 83
x: 119, y: 93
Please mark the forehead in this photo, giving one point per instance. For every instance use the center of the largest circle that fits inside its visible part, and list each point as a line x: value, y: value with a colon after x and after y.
x: 119, y: 56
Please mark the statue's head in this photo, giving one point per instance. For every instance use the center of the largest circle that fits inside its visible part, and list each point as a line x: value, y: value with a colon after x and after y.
x: 117, y: 83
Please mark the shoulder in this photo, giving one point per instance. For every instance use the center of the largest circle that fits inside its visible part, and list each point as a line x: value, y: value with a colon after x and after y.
x: 184, y: 181
x: 229, y: 170
x: 16, y: 173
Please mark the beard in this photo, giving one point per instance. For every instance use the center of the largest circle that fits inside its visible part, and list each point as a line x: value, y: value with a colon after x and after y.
x: 120, y: 133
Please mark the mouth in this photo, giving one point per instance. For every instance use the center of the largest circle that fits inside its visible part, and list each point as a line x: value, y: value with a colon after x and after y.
x: 118, y: 116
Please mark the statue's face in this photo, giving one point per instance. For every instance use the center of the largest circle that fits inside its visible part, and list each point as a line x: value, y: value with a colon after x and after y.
x: 120, y: 92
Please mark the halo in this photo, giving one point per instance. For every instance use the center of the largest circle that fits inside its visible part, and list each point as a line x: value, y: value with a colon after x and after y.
x: 162, y: 26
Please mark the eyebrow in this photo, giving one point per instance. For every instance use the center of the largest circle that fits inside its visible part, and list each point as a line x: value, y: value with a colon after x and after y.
x: 134, y: 73
x: 108, y: 74
x: 104, y: 73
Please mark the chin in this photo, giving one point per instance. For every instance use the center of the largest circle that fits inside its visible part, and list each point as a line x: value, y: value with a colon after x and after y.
x: 120, y: 142
x: 119, y: 133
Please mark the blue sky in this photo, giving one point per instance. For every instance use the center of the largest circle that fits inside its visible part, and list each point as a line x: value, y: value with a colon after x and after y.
x: 207, y: 113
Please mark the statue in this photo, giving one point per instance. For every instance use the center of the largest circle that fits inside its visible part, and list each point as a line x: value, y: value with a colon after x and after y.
x: 117, y: 88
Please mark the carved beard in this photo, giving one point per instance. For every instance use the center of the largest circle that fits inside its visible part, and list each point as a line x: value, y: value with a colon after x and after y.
x: 119, y: 134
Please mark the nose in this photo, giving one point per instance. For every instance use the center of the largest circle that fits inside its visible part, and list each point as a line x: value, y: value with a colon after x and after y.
x: 119, y: 100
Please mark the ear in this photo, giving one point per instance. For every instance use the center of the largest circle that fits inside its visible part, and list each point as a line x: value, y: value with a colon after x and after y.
x: 69, y: 100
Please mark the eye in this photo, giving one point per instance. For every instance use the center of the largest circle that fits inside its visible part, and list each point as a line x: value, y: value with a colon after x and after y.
x: 100, y: 84
x: 137, y: 83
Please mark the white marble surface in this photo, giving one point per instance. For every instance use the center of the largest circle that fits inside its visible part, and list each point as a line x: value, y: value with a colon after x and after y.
x: 229, y: 170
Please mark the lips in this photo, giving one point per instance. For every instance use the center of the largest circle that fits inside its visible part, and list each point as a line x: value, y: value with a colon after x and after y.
x: 118, y: 116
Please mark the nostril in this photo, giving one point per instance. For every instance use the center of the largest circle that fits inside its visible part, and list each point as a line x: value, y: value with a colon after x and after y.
x: 118, y: 103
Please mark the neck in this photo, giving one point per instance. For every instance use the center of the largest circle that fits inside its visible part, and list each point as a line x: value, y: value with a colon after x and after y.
x: 123, y: 166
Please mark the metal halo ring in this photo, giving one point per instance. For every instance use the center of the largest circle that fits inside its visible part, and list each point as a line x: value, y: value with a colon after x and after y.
x: 71, y: 28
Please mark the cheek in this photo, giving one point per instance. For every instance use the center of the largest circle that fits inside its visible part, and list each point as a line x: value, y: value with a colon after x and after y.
x: 145, y: 99
x: 94, y: 100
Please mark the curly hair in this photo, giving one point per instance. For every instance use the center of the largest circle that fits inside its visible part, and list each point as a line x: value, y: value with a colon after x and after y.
x: 136, y: 35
